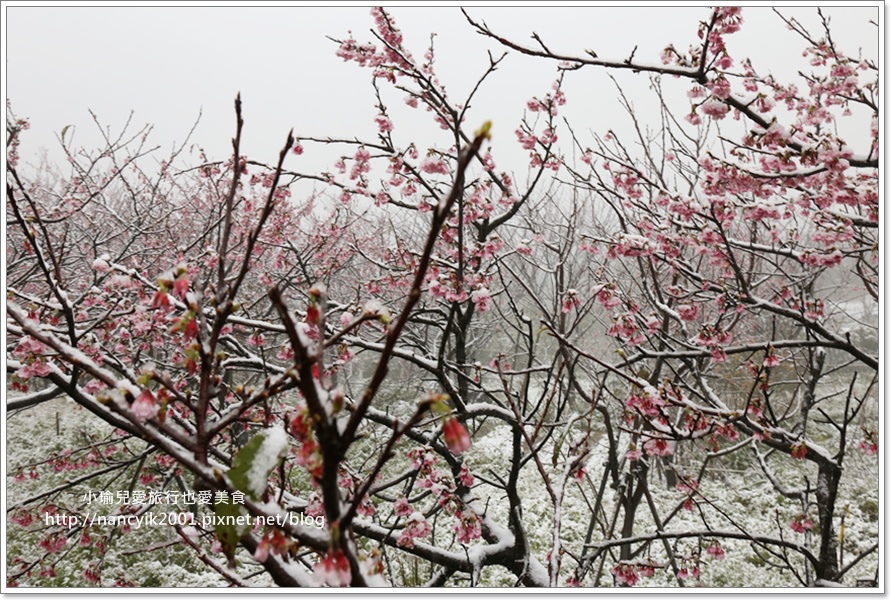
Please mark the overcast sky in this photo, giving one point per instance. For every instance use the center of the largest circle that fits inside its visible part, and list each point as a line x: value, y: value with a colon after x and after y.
x: 168, y: 64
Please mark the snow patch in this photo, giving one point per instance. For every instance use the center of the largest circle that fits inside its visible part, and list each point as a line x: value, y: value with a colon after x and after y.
x: 273, y: 448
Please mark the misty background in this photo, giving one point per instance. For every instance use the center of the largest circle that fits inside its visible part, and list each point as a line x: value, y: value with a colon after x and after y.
x: 169, y: 65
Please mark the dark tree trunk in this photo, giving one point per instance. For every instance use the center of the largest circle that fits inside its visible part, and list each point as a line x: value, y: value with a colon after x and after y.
x: 827, y: 491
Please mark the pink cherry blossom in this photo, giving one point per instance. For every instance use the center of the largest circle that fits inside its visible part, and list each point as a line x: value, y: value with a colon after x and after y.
x: 415, y: 527
x: 625, y: 574
x: 658, y: 447
x: 262, y: 551
x: 688, y: 312
x: 714, y: 108
x: 181, y: 286
x: 466, y: 477
x: 801, y: 523
x: 401, y: 507
x: 481, y: 298
x: 145, y: 406
x: 771, y: 360
x: 333, y: 570
x: 384, y: 125
x: 715, y: 551
x: 467, y: 526
x: 455, y: 435
x: 570, y: 301
x: 21, y: 517
x: 433, y: 164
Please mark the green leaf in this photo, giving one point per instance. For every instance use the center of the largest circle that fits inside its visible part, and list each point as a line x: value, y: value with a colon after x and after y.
x: 228, y: 528
x: 249, y: 474
x: 260, y: 456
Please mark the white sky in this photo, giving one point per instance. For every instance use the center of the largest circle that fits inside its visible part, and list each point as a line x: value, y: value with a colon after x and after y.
x: 168, y: 63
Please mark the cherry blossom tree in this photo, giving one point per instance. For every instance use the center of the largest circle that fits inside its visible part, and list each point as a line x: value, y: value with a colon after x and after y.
x: 417, y: 368
x: 724, y: 257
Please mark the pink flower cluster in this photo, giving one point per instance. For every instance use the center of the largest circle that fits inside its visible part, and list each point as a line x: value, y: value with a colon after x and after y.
x: 628, y: 574
x: 434, y: 165
x: 416, y: 526
x: 625, y: 328
x: 658, y: 447
x: 455, y: 435
x: 607, y: 297
x: 333, y: 570
x: 715, y: 550
x: 468, y: 526
x: 801, y: 523
x: 481, y: 298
